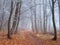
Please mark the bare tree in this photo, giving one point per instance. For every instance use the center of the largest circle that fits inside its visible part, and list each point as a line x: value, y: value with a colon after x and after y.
x: 20, y: 4
x: 40, y: 19
x: 15, y: 19
x: 11, y: 11
x: 53, y: 19
x: 1, y: 23
x: 35, y: 17
x: 59, y: 12
x: 31, y: 16
x: 44, y: 16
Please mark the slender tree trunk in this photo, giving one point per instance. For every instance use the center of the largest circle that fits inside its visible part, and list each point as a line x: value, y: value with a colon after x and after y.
x: 59, y: 13
x: 44, y: 16
x: 32, y: 27
x: 32, y: 21
x: 10, y: 20
x: 1, y: 25
x: 15, y: 19
x: 53, y: 19
x: 40, y: 19
x: 18, y: 16
x: 35, y: 18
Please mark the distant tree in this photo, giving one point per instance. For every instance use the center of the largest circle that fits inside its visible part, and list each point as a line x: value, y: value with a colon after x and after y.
x: 46, y: 20
x: 32, y: 17
x: 2, y: 21
x: 35, y: 17
x: 45, y: 16
x: 40, y: 20
x: 2, y: 16
x: 59, y: 12
x: 32, y: 23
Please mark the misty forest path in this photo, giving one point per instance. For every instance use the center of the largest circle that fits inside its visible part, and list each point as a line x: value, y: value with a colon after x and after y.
x: 22, y: 38
x: 31, y: 39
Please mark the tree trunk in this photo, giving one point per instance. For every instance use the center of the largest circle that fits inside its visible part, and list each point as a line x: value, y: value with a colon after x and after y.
x: 53, y: 19
x: 18, y: 17
x: 10, y: 20
x: 15, y: 19
x: 35, y: 18
x: 59, y: 13
x: 44, y: 16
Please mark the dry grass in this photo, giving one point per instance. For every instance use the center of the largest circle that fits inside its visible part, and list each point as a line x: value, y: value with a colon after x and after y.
x: 24, y: 38
x: 47, y: 39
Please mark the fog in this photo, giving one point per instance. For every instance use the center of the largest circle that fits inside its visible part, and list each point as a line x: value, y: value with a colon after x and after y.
x: 25, y: 17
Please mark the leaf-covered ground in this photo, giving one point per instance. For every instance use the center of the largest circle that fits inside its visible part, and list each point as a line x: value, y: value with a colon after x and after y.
x: 28, y: 38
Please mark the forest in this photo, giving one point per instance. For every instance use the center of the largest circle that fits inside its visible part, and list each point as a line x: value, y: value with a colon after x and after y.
x: 29, y: 22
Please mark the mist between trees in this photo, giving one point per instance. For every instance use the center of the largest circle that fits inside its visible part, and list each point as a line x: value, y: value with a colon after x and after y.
x: 35, y: 15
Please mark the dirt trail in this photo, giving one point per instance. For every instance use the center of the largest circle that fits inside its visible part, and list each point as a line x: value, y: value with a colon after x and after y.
x: 33, y: 39
x: 24, y: 38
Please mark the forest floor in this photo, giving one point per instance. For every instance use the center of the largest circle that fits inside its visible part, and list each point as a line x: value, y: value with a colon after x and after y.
x: 28, y: 38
